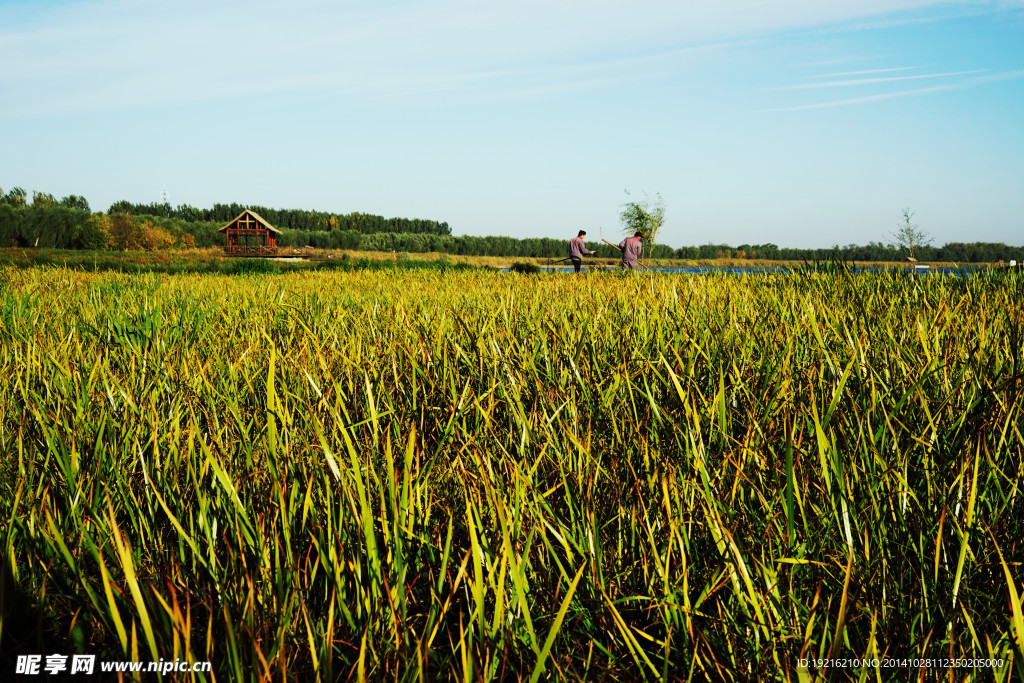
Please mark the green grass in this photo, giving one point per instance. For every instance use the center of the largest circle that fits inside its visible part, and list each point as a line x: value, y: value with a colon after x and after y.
x: 418, y: 475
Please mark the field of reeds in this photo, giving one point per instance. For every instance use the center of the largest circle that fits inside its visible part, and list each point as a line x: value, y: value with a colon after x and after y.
x: 489, y: 476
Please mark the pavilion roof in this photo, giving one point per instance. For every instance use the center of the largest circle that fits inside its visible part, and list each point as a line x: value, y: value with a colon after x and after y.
x: 259, y: 219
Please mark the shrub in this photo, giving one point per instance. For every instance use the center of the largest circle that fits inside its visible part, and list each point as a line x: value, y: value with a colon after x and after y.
x: 520, y: 267
x: 125, y: 233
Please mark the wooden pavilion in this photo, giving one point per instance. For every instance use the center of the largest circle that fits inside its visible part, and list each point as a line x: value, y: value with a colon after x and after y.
x: 250, y: 235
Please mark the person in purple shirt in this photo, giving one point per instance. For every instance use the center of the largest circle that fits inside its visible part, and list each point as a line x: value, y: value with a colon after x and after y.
x: 577, y: 249
x: 631, y: 248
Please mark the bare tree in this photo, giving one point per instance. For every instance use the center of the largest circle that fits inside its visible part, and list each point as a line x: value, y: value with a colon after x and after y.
x: 909, y: 236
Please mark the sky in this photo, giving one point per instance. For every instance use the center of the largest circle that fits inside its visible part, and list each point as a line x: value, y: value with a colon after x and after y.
x: 804, y: 123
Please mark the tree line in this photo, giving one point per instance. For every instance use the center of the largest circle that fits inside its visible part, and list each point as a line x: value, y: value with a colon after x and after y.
x: 291, y: 219
x: 955, y: 252
x: 68, y: 223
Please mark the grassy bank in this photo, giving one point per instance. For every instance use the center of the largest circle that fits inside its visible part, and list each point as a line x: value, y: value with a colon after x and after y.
x: 480, y: 476
x: 213, y: 261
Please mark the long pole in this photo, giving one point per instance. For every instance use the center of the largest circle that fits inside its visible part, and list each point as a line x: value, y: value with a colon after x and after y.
x: 617, y: 247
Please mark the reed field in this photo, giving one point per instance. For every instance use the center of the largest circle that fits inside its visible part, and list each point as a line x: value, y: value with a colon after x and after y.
x: 484, y: 476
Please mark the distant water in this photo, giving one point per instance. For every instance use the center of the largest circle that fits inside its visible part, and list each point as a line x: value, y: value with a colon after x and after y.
x: 780, y: 270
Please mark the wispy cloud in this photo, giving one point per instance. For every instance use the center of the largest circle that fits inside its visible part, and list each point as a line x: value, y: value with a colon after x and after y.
x: 957, y: 85
x: 865, y: 72
x: 863, y: 100
x: 1004, y: 76
x: 874, y: 81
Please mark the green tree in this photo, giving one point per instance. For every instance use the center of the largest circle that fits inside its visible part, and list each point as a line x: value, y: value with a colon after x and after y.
x: 43, y: 199
x: 75, y: 201
x: 16, y: 197
x: 93, y: 233
x: 908, y: 235
x: 645, y: 216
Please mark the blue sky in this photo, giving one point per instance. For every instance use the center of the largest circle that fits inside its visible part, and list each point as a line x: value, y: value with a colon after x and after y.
x: 788, y: 121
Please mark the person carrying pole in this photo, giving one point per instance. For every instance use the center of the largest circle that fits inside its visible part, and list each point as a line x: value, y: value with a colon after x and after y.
x: 631, y: 248
x: 577, y: 249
